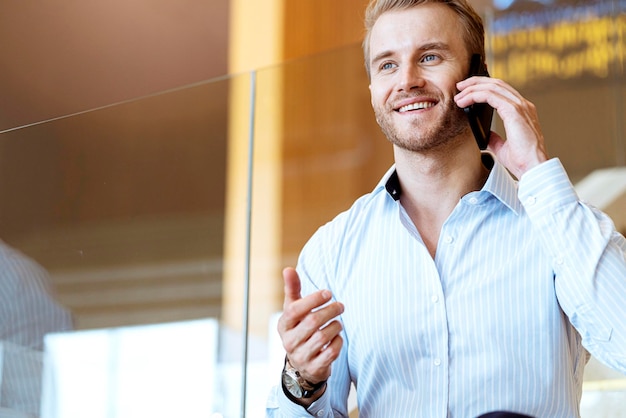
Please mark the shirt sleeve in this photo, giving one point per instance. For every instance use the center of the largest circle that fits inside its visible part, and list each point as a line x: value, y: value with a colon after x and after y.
x: 279, y: 406
x: 589, y: 260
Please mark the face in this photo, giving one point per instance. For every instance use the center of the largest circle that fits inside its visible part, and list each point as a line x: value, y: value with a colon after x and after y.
x: 417, y: 56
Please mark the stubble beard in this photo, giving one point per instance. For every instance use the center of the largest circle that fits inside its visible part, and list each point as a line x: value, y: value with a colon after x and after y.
x: 422, y: 138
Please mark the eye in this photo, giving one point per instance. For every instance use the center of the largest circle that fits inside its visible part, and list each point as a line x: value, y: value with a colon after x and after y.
x: 430, y: 58
x: 387, y: 65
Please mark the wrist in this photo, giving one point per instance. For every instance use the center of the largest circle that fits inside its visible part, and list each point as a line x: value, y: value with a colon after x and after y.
x: 299, y: 390
x: 532, y: 160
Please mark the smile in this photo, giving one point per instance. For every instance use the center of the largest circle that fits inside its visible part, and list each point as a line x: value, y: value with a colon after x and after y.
x: 416, y: 106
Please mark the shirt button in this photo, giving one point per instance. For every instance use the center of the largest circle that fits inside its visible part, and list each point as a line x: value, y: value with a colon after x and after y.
x: 473, y: 200
x: 531, y: 200
x: 437, y: 362
x: 320, y: 413
x: 448, y: 239
x: 435, y: 298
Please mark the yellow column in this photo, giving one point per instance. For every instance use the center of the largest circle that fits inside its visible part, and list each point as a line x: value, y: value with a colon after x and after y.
x: 256, y: 36
x: 262, y: 35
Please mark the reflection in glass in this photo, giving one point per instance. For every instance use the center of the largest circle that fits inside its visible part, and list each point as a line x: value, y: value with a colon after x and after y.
x: 124, y: 206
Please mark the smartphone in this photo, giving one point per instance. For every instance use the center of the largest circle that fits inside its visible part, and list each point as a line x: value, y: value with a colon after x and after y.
x: 480, y: 115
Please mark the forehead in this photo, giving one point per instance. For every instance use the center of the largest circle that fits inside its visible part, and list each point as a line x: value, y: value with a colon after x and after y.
x: 431, y: 23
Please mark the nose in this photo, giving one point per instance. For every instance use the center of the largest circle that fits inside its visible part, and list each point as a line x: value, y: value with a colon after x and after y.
x: 410, y: 77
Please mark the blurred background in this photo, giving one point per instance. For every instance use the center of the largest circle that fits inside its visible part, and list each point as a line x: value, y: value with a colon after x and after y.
x: 164, y: 160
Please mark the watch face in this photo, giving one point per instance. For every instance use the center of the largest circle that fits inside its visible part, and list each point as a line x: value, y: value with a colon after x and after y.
x: 291, y: 383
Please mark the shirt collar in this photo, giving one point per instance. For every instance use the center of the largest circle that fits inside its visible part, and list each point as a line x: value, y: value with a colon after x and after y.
x: 499, y: 183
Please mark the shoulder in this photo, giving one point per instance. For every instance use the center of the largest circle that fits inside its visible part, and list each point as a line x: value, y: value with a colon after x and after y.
x: 342, y: 237
x: 365, y: 210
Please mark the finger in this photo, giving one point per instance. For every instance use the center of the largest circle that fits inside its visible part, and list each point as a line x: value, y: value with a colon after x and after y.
x: 496, y: 142
x: 322, y: 337
x: 479, y: 94
x: 309, y: 349
x: 295, y: 307
x: 331, y: 351
x: 474, y: 79
x: 491, y: 83
x: 304, y: 317
x: 318, y: 318
x: 319, y: 367
x: 486, y: 90
x: 293, y: 286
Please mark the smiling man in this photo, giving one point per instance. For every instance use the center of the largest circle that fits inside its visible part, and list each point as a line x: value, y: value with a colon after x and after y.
x: 453, y: 289
x: 443, y: 61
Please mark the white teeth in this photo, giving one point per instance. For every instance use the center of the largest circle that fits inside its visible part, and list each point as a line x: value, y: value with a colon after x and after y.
x: 416, y: 106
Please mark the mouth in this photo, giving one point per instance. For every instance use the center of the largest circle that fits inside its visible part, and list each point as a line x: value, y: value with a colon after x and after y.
x: 415, y: 106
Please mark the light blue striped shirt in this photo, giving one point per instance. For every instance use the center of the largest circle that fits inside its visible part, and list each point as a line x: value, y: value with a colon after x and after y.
x: 524, y: 276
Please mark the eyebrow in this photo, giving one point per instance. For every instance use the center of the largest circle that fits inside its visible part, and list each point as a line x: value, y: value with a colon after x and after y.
x: 438, y: 46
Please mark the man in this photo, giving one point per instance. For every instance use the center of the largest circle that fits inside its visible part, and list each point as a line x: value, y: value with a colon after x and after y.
x: 451, y: 290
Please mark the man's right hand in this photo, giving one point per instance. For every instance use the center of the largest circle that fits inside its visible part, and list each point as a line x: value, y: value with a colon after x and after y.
x: 312, y: 342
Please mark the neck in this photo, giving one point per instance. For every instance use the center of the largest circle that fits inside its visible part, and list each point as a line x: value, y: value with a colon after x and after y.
x: 448, y: 173
x: 433, y: 182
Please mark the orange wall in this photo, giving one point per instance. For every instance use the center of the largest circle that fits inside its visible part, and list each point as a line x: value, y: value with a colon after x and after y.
x: 313, y: 26
x: 65, y: 56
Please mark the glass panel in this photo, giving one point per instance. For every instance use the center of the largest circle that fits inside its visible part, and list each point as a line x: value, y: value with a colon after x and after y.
x: 312, y: 160
x: 333, y: 151
x: 125, y: 208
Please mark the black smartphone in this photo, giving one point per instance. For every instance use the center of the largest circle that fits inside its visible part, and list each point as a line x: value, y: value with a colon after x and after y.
x: 480, y: 115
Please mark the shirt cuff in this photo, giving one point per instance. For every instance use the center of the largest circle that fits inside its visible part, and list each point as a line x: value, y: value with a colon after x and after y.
x: 545, y: 189
x: 319, y: 408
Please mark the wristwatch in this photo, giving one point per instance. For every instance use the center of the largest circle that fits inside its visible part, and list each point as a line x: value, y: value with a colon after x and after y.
x: 295, y: 386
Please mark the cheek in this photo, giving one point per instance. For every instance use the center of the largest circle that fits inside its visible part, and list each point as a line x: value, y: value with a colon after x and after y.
x: 378, y: 95
x: 448, y: 85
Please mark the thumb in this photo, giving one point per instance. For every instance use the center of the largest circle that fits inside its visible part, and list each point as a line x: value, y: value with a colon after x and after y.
x: 496, y: 142
x: 292, y: 285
